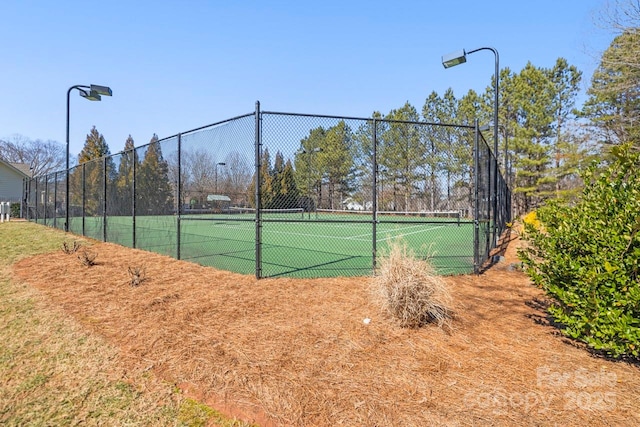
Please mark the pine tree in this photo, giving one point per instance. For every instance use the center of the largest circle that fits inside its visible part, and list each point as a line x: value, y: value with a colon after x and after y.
x: 288, y: 195
x: 308, y: 170
x: 154, y: 192
x: 124, y: 179
x: 614, y: 96
x: 336, y: 160
x: 95, y: 148
x: 266, y: 183
x: 432, y: 148
x: 565, y: 87
x: 533, y: 153
x: 401, y: 148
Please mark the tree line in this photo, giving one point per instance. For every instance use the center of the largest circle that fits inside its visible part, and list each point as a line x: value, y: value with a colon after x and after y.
x: 155, y: 175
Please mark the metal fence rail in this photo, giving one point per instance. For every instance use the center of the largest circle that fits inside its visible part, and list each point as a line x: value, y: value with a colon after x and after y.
x: 280, y: 194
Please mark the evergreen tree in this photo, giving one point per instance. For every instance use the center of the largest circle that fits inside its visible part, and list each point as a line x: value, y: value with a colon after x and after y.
x: 400, y: 151
x: 288, y: 195
x: 565, y: 86
x: 469, y: 108
x: 444, y: 143
x: 154, y: 192
x: 266, y: 183
x: 276, y: 183
x: 124, y: 179
x: 433, y: 148
x: 531, y: 137
x: 336, y: 160
x: 95, y: 148
x: 362, y: 151
x: 614, y: 96
x: 308, y: 169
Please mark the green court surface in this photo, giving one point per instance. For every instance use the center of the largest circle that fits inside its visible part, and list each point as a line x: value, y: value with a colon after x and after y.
x: 293, y: 245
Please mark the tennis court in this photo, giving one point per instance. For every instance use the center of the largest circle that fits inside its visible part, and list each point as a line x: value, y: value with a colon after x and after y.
x: 294, y: 243
x: 333, y: 192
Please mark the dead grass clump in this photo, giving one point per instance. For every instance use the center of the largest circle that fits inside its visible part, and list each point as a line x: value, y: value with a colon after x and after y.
x: 87, y: 258
x: 68, y: 249
x: 410, y: 290
x: 137, y: 275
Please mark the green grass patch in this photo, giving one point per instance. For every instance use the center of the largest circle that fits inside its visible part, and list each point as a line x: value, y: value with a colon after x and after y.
x: 324, y: 246
x: 53, y: 372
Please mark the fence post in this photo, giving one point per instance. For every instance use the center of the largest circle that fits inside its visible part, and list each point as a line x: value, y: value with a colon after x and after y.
x: 374, y: 219
x: 133, y: 196
x: 495, y: 201
x: 476, y: 208
x: 46, y: 197
x: 84, y: 197
x: 55, y: 199
x: 24, y: 196
x: 258, y: 193
x: 104, y: 200
x: 178, y: 190
x: 491, y: 217
x: 36, y: 197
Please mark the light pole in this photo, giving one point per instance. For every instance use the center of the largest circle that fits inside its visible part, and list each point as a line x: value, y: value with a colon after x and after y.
x: 216, y: 176
x: 92, y: 93
x: 460, y: 57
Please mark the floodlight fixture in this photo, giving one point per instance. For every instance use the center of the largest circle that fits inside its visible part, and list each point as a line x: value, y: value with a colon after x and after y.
x: 91, y: 95
x: 454, y: 58
x: 101, y: 90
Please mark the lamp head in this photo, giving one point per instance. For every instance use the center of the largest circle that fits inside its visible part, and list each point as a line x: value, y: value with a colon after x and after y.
x: 91, y: 95
x: 101, y: 90
x: 454, y: 58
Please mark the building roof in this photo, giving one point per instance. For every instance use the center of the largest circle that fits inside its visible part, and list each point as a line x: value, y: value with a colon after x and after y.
x: 217, y: 198
x: 21, y: 168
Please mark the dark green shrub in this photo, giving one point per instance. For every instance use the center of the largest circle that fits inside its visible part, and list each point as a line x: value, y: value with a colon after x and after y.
x: 15, y: 210
x: 587, y: 257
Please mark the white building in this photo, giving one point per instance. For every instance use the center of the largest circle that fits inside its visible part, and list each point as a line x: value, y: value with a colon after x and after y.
x: 11, y: 180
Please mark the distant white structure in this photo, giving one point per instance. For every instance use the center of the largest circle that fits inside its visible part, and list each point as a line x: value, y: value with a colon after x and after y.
x: 5, y: 211
x: 11, y: 178
x: 351, y: 205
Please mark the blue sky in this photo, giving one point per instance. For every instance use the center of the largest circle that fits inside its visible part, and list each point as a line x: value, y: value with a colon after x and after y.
x: 178, y: 65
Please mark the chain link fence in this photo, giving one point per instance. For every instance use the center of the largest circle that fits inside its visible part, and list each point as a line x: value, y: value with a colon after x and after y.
x: 280, y: 194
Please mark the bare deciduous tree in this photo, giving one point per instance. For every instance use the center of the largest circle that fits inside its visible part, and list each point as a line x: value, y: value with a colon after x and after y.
x: 236, y: 177
x: 200, y: 166
x: 42, y: 156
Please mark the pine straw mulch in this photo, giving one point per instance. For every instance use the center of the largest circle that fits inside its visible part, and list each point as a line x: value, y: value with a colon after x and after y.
x: 296, y: 352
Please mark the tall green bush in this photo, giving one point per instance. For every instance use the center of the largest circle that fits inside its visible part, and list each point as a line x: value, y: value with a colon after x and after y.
x: 15, y: 210
x: 587, y: 257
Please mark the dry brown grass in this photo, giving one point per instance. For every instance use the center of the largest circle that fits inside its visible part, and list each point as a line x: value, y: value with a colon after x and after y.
x: 296, y: 352
x: 87, y: 257
x: 409, y: 289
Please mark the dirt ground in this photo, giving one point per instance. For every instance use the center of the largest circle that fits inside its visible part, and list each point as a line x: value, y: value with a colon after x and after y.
x: 297, y: 352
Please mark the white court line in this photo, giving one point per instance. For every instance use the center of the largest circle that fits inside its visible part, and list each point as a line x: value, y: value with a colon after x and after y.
x: 357, y: 237
x: 406, y: 234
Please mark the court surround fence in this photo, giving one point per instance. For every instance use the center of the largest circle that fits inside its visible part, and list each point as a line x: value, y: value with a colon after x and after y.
x: 281, y: 194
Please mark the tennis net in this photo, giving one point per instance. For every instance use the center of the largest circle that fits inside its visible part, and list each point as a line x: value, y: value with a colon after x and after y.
x: 390, y: 216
